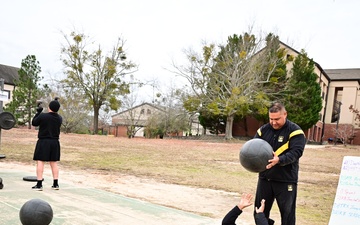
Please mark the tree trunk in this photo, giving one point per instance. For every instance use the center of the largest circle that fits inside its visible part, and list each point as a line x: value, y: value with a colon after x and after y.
x: 96, y: 120
x: 229, y: 127
x: 246, y: 127
x: 29, y: 119
x: 29, y: 111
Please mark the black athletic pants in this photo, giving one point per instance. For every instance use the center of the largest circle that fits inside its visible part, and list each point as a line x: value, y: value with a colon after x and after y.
x: 283, y: 193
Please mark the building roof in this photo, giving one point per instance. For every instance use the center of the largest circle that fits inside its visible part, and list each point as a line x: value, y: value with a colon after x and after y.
x: 344, y: 74
x: 151, y: 105
x: 335, y: 74
x: 9, y: 74
x: 323, y: 72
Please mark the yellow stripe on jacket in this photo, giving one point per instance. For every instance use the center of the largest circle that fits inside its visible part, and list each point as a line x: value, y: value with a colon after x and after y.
x: 285, y: 146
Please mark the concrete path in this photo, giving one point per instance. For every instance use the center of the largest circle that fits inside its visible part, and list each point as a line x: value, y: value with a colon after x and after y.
x: 78, y: 205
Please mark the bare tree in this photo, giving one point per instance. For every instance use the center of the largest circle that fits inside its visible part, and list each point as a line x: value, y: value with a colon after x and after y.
x: 344, y: 133
x: 176, y: 119
x: 225, y: 80
x: 98, y: 76
x: 356, y: 112
x: 132, y: 116
x: 74, y: 111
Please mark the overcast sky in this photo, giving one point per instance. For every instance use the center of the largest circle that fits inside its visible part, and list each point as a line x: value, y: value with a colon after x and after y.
x: 157, y: 31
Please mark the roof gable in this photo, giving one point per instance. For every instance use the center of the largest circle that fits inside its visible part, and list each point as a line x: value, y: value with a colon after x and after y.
x: 9, y: 74
x: 323, y: 72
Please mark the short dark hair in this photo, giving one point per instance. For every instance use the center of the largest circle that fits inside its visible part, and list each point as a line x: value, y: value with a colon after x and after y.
x: 54, y: 105
x: 276, y: 107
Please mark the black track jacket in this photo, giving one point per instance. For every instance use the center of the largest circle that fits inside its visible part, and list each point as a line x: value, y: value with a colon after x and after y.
x: 288, y: 143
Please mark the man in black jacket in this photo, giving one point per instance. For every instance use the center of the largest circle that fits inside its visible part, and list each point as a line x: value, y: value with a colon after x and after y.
x: 279, y: 180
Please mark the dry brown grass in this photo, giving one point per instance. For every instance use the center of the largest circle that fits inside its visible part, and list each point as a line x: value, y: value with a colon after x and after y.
x: 205, y: 164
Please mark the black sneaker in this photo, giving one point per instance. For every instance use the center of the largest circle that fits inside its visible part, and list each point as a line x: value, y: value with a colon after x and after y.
x: 37, y: 188
x: 55, y: 187
x: 1, y: 183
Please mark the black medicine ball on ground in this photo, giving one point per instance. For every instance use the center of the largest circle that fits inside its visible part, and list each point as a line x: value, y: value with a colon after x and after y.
x: 255, y: 155
x: 31, y: 178
x: 36, y: 212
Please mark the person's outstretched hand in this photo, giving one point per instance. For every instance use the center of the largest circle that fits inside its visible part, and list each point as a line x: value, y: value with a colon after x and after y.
x: 245, y: 201
x: 261, y: 208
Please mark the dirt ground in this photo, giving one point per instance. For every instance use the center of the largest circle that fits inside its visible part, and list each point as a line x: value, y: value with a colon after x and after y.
x: 202, y: 201
x: 206, y: 202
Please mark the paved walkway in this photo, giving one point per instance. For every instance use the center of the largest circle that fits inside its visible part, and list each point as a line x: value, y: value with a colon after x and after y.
x: 77, y: 205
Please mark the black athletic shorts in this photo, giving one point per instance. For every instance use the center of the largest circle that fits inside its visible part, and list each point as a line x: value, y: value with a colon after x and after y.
x: 47, y: 150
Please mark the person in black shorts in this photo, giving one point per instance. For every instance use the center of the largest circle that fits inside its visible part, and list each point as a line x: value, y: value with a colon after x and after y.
x: 48, y: 146
x: 279, y: 180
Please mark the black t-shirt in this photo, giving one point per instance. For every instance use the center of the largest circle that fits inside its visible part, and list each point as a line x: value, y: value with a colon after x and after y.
x: 49, y: 125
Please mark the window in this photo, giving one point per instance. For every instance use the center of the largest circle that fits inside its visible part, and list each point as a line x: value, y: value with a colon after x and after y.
x: 142, y: 111
x: 148, y: 112
x: 4, y: 95
x: 337, y: 104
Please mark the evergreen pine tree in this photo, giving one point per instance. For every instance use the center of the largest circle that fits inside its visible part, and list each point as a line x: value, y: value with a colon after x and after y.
x: 26, y: 91
x: 303, y: 101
